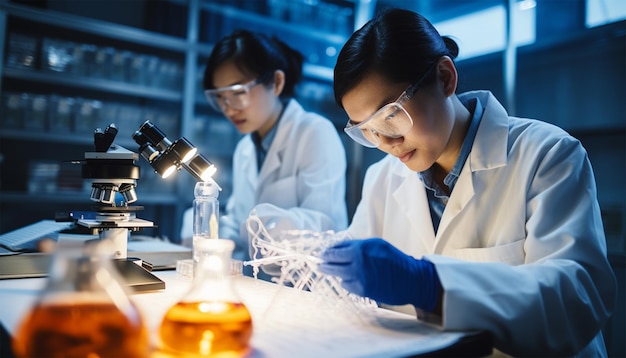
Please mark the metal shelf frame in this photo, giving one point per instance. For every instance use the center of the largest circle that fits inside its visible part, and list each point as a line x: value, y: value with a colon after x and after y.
x: 95, y: 27
x: 96, y: 84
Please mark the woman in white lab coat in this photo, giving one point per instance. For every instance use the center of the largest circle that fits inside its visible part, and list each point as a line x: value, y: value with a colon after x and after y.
x: 290, y: 166
x: 489, y: 222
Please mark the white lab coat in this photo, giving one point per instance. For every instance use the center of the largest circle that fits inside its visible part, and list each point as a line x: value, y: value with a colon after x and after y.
x: 301, y: 183
x: 520, y: 249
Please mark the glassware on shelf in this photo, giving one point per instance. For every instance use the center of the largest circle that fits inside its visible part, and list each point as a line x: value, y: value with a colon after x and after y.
x: 89, y: 52
x: 135, y: 69
x: 58, y: 55
x: 13, y: 109
x: 61, y: 114
x: 210, y: 320
x: 83, y: 311
x: 36, y: 116
x: 87, y: 115
x: 43, y: 176
x: 150, y: 73
x: 119, y: 60
x: 22, y: 52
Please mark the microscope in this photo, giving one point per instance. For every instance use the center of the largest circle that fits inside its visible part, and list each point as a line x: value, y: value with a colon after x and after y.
x: 113, y: 173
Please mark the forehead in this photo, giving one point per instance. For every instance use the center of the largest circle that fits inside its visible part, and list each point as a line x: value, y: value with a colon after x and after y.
x: 369, y: 95
x: 228, y: 74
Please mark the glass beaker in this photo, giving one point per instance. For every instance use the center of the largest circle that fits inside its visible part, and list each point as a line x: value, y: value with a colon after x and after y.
x: 210, y: 320
x: 83, y: 311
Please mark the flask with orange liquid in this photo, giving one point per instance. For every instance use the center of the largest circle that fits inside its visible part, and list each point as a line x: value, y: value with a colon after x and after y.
x: 210, y: 320
x: 83, y: 311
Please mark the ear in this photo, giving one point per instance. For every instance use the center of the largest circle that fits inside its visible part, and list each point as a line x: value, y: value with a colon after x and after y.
x: 279, y: 82
x: 447, y: 75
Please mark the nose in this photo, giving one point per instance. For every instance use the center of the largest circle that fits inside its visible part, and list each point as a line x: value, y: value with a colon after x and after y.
x: 228, y: 110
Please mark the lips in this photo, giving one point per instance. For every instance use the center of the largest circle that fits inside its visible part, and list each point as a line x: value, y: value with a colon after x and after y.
x: 238, y: 122
x: 406, y: 156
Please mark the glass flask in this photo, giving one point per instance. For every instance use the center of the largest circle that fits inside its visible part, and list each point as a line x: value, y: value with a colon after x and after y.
x: 83, y: 311
x: 209, y: 320
x: 206, y: 211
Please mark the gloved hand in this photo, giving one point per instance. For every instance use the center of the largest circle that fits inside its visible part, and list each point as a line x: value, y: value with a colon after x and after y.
x: 374, y: 268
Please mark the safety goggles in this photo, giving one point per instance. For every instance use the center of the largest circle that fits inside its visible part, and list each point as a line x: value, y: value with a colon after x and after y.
x: 235, y: 96
x: 392, y: 120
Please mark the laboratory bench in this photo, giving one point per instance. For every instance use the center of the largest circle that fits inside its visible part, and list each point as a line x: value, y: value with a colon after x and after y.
x: 287, y: 322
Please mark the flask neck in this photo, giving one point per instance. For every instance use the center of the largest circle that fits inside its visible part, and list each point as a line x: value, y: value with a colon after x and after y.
x: 79, y: 267
x: 212, y: 277
x: 212, y: 268
x: 85, y: 273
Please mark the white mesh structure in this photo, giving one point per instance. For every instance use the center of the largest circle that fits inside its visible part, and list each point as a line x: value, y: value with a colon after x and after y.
x: 295, y: 253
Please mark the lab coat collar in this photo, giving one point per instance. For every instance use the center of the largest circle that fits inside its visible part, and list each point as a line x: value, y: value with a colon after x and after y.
x: 489, y: 151
x: 490, y: 145
x: 409, y: 186
x: 248, y: 162
x: 274, y: 156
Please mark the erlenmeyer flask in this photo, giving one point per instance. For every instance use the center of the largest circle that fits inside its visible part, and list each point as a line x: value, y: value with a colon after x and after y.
x: 83, y: 311
x: 210, y: 320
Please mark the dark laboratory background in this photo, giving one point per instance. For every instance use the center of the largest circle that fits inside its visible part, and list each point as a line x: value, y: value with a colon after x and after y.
x: 70, y: 66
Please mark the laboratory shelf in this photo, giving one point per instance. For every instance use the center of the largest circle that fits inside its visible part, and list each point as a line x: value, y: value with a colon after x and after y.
x: 95, y: 27
x: 102, y: 85
x: 173, y: 100
x: 60, y: 138
x: 167, y: 42
x: 276, y: 24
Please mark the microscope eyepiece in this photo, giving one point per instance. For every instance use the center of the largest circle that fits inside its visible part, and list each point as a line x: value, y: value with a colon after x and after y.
x: 104, y: 140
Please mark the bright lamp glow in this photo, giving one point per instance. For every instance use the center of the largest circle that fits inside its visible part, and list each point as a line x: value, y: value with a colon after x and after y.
x: 201, y: 168
x: 165, y: 164
x: 184, y: 149
x: 167, y: 158
x: 208, y: 173
x: 190, y: 155
x: 169, y: 171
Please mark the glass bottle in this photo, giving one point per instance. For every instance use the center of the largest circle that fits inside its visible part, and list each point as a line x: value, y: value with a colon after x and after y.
x: 84, y: 309
x: 210, y: 320
x: 206, y: 211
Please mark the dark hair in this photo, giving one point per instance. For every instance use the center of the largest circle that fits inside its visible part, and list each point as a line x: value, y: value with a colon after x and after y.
x: 257, y: 54
x: 398, y: 44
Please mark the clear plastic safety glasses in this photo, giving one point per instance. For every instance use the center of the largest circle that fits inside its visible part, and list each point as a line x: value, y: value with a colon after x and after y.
x: 392, y: 120
x: 235, y: 96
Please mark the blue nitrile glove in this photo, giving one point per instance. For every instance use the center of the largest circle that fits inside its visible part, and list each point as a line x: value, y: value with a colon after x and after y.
x: 374, y: 268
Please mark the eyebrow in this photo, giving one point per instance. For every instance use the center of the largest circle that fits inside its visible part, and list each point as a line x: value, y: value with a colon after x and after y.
x: 384, y: 103
x: 381, y: 104
x: 239, y: 82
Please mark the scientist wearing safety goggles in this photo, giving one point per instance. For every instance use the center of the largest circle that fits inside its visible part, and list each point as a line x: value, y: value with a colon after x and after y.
x: 289, y: 165
x: 480, y: 220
